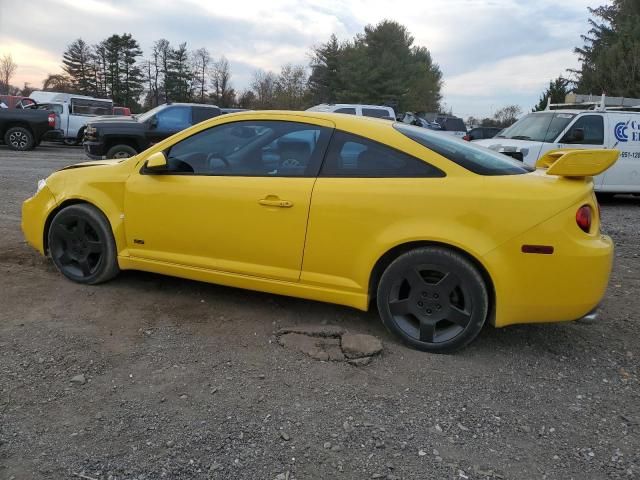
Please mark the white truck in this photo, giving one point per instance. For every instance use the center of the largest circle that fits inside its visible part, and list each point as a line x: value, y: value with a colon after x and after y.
x: 377, y: 111
x: 571, y: 126
x: 75, y: 111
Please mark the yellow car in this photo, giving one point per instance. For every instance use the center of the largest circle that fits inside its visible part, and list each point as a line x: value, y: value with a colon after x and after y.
x: 442, y: 234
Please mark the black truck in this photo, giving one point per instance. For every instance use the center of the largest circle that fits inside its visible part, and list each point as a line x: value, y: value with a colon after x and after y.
x: 123, y: 137
x: 23, y: 129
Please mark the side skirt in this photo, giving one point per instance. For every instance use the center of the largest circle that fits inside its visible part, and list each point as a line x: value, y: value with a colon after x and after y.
x: 278, y: 287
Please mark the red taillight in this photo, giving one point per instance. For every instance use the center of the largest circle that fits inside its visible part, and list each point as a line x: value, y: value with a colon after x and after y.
x: 583, y: 218
x: 52, y: 119
x: 466, y: 137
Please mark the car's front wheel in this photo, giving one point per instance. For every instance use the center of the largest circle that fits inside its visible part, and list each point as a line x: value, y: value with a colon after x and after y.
x: 434, y: 299
x: 121, y: 151
x: 81, y: 244
x: 19, y: 138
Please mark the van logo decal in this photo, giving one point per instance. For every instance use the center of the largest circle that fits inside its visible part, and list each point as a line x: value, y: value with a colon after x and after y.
x: 620, y: 131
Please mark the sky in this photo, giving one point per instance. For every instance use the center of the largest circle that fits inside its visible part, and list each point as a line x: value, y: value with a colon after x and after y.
x: 492, y: 52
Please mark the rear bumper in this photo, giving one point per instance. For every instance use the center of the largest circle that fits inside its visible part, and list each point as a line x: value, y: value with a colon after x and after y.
x: 564, y: 286
x: 53, y: 135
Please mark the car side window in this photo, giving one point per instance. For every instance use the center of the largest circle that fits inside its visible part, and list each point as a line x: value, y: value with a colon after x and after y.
x: 173, y: 119
x: 354, y: 156
x: 593, y: 127
x: 375, y: 112
x: 200, y: 114
x: 252, y: 148
x: 350, y: 111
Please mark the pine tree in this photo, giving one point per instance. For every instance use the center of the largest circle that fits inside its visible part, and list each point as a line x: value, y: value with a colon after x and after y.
x: 555, y: 93
x: 77, y: 61
x: 609, y: 58
x: 324, y: 80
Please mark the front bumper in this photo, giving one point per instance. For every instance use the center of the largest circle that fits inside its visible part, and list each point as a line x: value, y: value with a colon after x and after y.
x: 35, y: 211
x: 94, y: 150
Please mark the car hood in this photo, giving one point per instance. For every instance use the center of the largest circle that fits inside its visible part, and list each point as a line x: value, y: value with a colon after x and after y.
x: 94, y: 164
x: 113, y: 120
x: 530, y: 150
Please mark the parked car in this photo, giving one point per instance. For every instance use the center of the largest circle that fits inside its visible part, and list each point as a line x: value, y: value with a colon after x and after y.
x: 123, y: 137
x: 449, y: 124
x: 480, y: 133
x: 411, y: 118
x: 10, y: 101
x: 535, y: 134
x: 22, y: 129
x: 74, y: 112
x: 377, y: 111
x: 122, y: 111
x: 441, y: 234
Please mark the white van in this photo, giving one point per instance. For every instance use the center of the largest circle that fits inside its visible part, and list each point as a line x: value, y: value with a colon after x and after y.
x: 536, y: 133
x: 75, y: 111
x: 377, y: 111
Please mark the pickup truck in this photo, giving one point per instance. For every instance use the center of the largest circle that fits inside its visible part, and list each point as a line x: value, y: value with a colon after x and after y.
x: 24, y: 129
x: 123, y: 137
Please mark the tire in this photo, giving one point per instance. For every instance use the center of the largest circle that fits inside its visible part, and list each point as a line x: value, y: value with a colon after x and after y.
x: 81, y: 245
x: 605, y: 196
x: 19, y: 138
x: 121, y: 151
x: 434, y: 299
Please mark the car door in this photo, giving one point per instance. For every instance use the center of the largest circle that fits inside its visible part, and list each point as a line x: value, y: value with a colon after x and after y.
x: 235, y: 198
x: 169, y: 121
x: 624, y: 135
x: 586, y: 132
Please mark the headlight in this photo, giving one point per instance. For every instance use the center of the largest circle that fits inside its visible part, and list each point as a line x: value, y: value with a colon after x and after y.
x: 41, y: 184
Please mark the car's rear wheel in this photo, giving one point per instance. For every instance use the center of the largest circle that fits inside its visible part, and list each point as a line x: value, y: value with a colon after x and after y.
x: 81, y: 244
x: 434, y: 299
x: 121, y: 151
x: 19, y: 138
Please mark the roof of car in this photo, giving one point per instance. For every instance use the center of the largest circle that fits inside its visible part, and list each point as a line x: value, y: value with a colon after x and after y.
x: 184, y: 104
x: 349, y: 105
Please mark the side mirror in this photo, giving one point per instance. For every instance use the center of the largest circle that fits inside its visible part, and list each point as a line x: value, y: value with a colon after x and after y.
x: 153, y: 121
x: 156, y: 163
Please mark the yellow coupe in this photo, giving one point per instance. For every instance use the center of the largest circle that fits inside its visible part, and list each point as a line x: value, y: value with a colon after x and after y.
x: 442, y: 234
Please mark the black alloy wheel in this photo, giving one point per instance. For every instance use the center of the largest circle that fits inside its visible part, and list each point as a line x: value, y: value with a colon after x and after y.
x: 19, y: 138
x: 434, y: 299
x: 81, y: 244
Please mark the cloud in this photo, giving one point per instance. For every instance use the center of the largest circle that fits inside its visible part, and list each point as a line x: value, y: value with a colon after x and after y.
x: 482, y: 46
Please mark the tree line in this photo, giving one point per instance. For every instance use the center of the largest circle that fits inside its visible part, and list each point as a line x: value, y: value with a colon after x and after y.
x: 379, y: 66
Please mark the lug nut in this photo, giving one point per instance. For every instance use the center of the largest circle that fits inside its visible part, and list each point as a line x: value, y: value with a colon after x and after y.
x: 435, y: 295
x: 420, y: 304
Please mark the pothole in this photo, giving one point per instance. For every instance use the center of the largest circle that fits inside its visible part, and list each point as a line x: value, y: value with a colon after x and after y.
x: 330, y: 343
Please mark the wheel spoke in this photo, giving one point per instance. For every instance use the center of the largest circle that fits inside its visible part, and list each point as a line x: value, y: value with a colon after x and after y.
x: 63, y: 232
x: 414, y: 278
x: 64, y: 258
x: 427, y: 331
x: 81, y: 228
x: 95, y: 246
x: 459, y: 317
x: 84, y: 266
x: 399, y: 307
x: 448, y: 283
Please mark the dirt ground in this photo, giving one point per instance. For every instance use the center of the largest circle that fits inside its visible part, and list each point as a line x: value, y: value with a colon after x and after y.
x: 177, y: 379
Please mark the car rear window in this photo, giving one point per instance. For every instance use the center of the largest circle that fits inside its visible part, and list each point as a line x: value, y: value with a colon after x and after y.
x: 474, y: 158
x: 375, y: 112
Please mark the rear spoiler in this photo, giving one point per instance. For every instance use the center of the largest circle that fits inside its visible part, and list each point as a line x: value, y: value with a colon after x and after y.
x: 577, y: 163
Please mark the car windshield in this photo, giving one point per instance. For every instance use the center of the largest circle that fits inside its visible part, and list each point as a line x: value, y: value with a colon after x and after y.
x: 538, y: 127
x: 147, y: 115
x: 477, y: 159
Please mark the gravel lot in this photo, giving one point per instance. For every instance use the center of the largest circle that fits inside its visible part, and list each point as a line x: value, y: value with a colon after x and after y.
x: 178, y: 379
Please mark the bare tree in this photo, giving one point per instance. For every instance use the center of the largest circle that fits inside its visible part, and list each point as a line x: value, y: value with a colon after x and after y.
x: 7, y: 70
x: 291, y: 87
x: 264, y: 87
x: 201, y: 59
x: 223, y: 94
x: 57, y: 83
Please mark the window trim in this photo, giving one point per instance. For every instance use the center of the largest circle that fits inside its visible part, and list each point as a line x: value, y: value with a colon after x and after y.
x: 570, y: 127
x: 315, y: 162
x: 438, y: 173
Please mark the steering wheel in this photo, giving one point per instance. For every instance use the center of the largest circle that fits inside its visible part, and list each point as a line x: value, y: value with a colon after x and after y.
x: 211, y: 157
